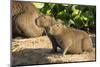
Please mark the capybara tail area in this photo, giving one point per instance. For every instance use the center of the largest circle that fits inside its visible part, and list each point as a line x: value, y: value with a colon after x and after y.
x: 87, y: 44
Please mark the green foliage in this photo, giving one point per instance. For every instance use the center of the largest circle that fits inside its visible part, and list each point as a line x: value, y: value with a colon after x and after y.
x: 78, y: 16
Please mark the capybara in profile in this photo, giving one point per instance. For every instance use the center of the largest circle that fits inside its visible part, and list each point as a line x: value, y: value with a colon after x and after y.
x: 45, y: 21
x: 27, y: 21
x: 71, y: 40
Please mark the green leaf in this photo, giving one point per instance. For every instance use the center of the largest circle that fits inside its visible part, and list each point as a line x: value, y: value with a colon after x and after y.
x: 39, y: 5
x: 48, y: 12
x: 75, y: 12
x: 65, y: 4
x: 60, y: 13
x: 85, y: 18
x: 76, y: 17
x: 71, y: 21
x: 74, y: 7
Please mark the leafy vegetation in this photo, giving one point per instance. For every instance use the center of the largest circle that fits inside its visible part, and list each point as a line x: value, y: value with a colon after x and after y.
x: 78, y: 16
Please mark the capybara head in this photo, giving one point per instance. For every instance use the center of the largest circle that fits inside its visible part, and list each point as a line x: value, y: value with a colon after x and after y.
x: 45, y: 21
x: 56, y: 29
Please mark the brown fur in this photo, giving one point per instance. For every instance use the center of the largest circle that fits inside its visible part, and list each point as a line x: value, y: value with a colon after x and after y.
x: 45, y: 21
x: 27, y: 21
x: 23, y: 19
x: 71, y: 40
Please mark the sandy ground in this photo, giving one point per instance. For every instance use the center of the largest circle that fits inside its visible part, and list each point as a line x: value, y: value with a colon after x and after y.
x: 38, y: 51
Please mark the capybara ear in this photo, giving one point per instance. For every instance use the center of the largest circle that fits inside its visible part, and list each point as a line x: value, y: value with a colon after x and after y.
x: 53, y: 21
x: 40, y: 20
x: 37, y: 22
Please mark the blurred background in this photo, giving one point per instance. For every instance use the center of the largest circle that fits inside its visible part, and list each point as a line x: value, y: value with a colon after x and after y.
x: 77, y: 16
